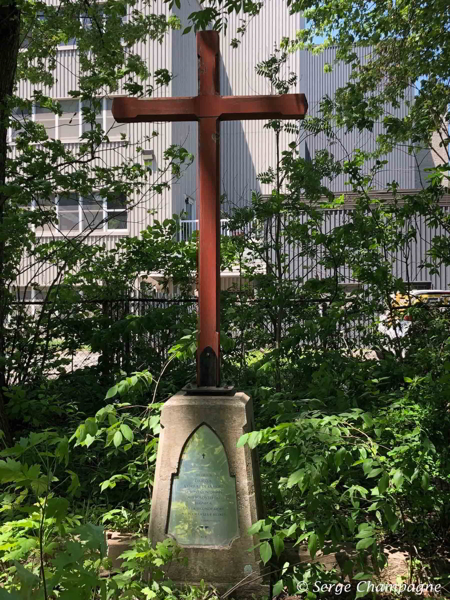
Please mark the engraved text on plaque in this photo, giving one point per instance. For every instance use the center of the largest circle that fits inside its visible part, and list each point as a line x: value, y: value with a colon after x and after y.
x: 203, y: 508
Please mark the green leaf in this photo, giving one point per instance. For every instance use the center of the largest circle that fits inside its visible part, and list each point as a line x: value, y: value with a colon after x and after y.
x: 57, y: 508
x: 425, y: 481
x: 74, y: 482
x: 383, y: 483
x: 391, y: 517
x: 91, y: 426
x: 10, y: 470
x: 292, y: 529
x: 242, y: 440
x: 112, y: 419
x: 11, y: 595
x: 89, y: 440
x: 367, y: 465
x: 81, y: 433
x: 265, y: 534
x: 312, y: 545
x: 398, y: 478
x: 265, y: 550
x: 123, y: 387
x: 127, y: 433
x: 339, y: 457
x: 351, y: 524
x: 365, y: 533
x: 365, y: 543
x: 25, y: 575
x: 62, y: 451
x: 374, y: 472
x: 362, y: 590
x: 74, y: 552
x: 278, y: 544
x: 278, y: 588
x: 295, y: 477
x: 117, y: 439
x: 94, y: 535
x: 254, y: 439
x: 111, y: 392
x: 368, y: 420
x: 255, y: 528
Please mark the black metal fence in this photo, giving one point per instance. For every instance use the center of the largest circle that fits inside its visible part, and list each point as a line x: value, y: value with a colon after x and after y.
x: 132, y: 332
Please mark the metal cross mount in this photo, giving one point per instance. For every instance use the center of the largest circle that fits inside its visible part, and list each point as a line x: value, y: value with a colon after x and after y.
x: 209, y: 108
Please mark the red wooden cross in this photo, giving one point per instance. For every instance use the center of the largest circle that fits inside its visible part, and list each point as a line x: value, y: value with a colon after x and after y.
x: 209, y: 108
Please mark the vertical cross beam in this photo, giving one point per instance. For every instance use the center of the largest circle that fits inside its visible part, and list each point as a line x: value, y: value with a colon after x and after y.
x: 208, y: 206
x: 208, y: 108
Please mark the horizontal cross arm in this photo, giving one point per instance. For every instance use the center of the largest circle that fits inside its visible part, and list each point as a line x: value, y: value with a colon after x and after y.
x: 224, y: 108
x: 241, y: 108
x: 133, y: 110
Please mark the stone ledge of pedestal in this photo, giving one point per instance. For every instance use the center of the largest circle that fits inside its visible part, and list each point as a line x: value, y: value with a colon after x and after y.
x: 229, y: 417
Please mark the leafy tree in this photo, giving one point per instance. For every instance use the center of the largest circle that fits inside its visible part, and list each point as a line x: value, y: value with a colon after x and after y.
x: 354, y: 449
x: 37, y: 168
x: 407, y: 46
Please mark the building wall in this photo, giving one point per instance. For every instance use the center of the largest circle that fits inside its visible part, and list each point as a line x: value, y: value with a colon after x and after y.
x: 247, y: 148
x: 406, y: 262
x: 431, y: 157
x: 317, y: 83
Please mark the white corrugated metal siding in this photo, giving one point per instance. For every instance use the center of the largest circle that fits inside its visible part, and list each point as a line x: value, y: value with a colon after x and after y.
x: 246, y: 147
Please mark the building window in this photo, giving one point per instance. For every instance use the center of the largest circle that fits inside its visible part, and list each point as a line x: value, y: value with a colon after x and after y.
x: 31, y: 298
x: 419, y: 285
x: 71, y: 124
x: 92, y: 106
x: 75, y: 214
x: 111, y: 127
x: 47, y: 208
x: 71, y: 42
x: 47, y: 118
x: 93, y: 212
x: 116, y: 213
x: 87, y: 22
x: 18, y: 117
x: 69, y: 213
x: 350, y: 287
x: 69, y: 121
x: 26, y: 41
x: 189, y: 208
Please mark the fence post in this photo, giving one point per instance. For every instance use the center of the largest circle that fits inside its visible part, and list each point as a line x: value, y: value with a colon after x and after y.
x: 105, y: 356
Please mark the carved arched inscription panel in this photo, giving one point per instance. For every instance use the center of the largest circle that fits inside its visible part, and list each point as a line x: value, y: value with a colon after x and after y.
x: 203, y: 507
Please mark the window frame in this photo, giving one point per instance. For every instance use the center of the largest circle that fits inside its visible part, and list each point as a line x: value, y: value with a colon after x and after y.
x: 9, y: 134
x: 82, y: 18
x: 103, y: 229
x: 76, y: 139
x: 107, y: 211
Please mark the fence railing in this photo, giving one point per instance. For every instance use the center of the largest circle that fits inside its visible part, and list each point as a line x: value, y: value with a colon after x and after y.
x: 166, y: 317
x: 188, y: 226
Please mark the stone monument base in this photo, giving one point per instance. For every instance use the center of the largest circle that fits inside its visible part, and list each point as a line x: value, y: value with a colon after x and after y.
x: 207, y: 492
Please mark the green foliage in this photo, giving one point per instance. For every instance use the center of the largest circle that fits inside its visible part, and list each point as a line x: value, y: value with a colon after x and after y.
x: 404, y: 48
x: 354, y: 450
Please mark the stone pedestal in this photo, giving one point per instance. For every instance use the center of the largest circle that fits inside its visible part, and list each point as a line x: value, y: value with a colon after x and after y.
x: 207, y: 492
x: 116, y: 544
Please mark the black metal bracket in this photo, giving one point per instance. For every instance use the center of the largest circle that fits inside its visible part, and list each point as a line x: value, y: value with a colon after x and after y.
x: 192, y: 389
x: 208, y: 371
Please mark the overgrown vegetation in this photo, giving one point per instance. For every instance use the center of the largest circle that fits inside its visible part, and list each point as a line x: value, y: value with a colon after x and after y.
x: 352, y: 425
